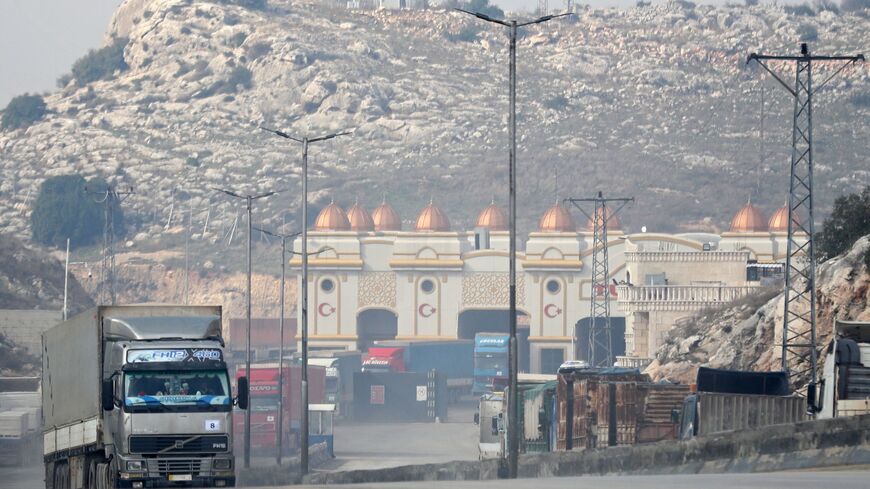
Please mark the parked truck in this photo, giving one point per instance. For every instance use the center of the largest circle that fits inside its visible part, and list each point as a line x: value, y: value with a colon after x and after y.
x: 340, y: 366
x: 264, y: 400
x: 20, y: 419
x: 452, y: 359
x: 731, y: 400
x: 138, y: 396
x: 844, y: 389
x: 490, y: 361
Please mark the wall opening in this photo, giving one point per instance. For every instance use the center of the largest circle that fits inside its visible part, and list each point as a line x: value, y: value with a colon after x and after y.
x: 476, y: 321
x: 375, y: 325
x: 617, y: 337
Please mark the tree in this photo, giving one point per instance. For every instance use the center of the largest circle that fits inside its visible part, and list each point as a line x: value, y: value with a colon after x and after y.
x: 64, y: 209
x: 23, y: 111
x: 100, y: 64
x: 849, y: 221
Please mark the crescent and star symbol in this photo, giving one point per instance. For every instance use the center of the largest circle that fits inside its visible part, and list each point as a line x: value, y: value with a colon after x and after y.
x: 325, y: 309
x: 426, y: 310
x: 551, y: 310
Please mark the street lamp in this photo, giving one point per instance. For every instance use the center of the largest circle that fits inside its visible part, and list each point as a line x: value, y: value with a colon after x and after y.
x: 512, y: 25
x: 248, y: 200
x: 303, y: 455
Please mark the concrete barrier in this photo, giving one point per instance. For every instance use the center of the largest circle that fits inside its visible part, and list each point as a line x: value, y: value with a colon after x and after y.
x: 811, y: 444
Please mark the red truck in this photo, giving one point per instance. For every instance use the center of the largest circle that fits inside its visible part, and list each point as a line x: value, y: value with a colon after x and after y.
x: 263, y: 389
x: 454, y: 359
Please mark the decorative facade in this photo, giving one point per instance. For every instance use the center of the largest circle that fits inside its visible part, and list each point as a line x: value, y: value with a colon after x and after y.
x: 374, y: 281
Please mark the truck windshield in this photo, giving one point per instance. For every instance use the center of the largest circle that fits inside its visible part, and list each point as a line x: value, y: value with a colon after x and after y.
x: 331, y: 384
x: 198, y: 390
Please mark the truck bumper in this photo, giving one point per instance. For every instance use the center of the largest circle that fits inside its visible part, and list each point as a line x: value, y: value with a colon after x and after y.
x: 195, y: 481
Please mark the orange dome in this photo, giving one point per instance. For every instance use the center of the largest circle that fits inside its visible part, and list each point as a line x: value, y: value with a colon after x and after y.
x: 432, y: 219
x: 385, y: 218
x: 779, y: 220
x: 331, y: 218
x: 359, y: 219
x: 492, y: 218
x: 557, y: 219
x: 612, y: 221
x: 749, y: 219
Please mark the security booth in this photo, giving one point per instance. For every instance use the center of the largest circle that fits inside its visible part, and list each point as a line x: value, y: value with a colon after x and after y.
x: 320, y: 423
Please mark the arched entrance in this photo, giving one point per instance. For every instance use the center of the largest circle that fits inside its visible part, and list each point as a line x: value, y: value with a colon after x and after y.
x: 375, y: 325
x: 581, y: 335
x: 475, y: 321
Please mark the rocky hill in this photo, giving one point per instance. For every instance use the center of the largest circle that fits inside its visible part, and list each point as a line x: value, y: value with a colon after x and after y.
x: 655, y: 102
x: 747, y: 335
x: 33, y: 279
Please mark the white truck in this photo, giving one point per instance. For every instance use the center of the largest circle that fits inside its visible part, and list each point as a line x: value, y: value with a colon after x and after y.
x: 490, y: 420
x: 844, y: 389
x: 138, y: 396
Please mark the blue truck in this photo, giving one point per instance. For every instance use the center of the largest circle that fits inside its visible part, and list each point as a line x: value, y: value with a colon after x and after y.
x: 490, y: 361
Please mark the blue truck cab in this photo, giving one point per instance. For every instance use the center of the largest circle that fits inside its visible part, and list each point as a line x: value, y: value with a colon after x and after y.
x: 490, y: 360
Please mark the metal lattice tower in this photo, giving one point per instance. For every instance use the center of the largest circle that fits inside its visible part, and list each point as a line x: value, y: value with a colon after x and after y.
x: 111, y: 200
x: 799, y: 348
x: 543, y: 7
x: 600, y: 338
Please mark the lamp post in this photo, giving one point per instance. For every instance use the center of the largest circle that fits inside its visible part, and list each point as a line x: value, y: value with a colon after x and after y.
x: 513, y: 25
x: 303, y: 454
x: 249, y: 199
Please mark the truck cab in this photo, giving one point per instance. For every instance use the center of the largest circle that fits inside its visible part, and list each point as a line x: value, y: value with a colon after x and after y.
x: 844, y: 389
x: 384, y: 359
x: 490, y: 421
x: 333, y: 379
x: 490, y: 361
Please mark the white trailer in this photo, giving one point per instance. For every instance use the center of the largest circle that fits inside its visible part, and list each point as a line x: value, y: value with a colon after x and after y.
x: 844, y: 389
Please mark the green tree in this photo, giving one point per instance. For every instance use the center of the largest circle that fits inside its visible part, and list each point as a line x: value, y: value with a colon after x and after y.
x: 23, y: 111
x: 100, y: 64
x: 64, y: 208
x: 849, y: 221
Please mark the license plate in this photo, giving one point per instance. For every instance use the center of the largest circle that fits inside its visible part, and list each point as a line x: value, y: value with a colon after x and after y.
x: 181, y: 477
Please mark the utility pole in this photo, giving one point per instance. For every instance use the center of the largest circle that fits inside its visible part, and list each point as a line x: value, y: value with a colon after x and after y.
x: 799, y: 318
x: 249, y: 199
x: 600, y: 335
x: 305, y: 141
x: 111, y: 199
x: 66, y: 281
x: 280, y: 429
x: 513, y: 406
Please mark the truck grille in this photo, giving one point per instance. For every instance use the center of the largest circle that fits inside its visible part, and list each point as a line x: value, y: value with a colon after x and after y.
x: 166, y: 467
x: 179, y: 444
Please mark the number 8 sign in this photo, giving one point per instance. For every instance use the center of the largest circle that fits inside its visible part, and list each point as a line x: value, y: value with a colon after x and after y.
x: 212, y: 425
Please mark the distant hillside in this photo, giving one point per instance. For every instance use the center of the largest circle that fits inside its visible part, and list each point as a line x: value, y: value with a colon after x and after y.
x: 653, y: 102
x: 33, y: 279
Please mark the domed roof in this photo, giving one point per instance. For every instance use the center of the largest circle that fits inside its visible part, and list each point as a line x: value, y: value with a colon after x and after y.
x: 749, y: 219
x: 779, y: 220
x: 331, y: 218
x: 557, y: 219
x: 612, y: 221
x: 432, y: 219
x: 359, y: 219
x: 493, y: 218
x: 385, y: 218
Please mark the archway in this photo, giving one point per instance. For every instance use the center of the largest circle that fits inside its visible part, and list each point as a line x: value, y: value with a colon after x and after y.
x: 475, y: 321
x: 581, y: 335
x: 375, y: 325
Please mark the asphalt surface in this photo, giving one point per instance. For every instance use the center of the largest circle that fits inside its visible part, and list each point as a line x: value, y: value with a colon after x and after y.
x: 29, y: 477
x: 381, y: 445
x: 847, y: 479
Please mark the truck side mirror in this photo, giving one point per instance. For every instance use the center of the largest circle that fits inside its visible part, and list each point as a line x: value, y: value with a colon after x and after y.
x: 108, y: 395
x: 476, y: 418
x: 242, y: 399
x: 675, y: 415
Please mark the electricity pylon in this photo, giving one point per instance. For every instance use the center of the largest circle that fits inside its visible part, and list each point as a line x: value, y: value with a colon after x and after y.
x: 799, y: 318
x: 111, y: 199
x: 600, y: 339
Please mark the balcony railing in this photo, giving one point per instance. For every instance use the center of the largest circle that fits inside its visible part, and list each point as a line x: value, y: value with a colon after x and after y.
x: 682, y: 293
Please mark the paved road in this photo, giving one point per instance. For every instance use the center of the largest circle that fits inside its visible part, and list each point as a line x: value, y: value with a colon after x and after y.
x: 379, y: 445
x: 29, y: 477
x: 847, y: 479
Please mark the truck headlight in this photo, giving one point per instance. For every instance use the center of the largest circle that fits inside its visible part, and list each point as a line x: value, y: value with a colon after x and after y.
x: 223, y: 464
x: 134, y: 466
